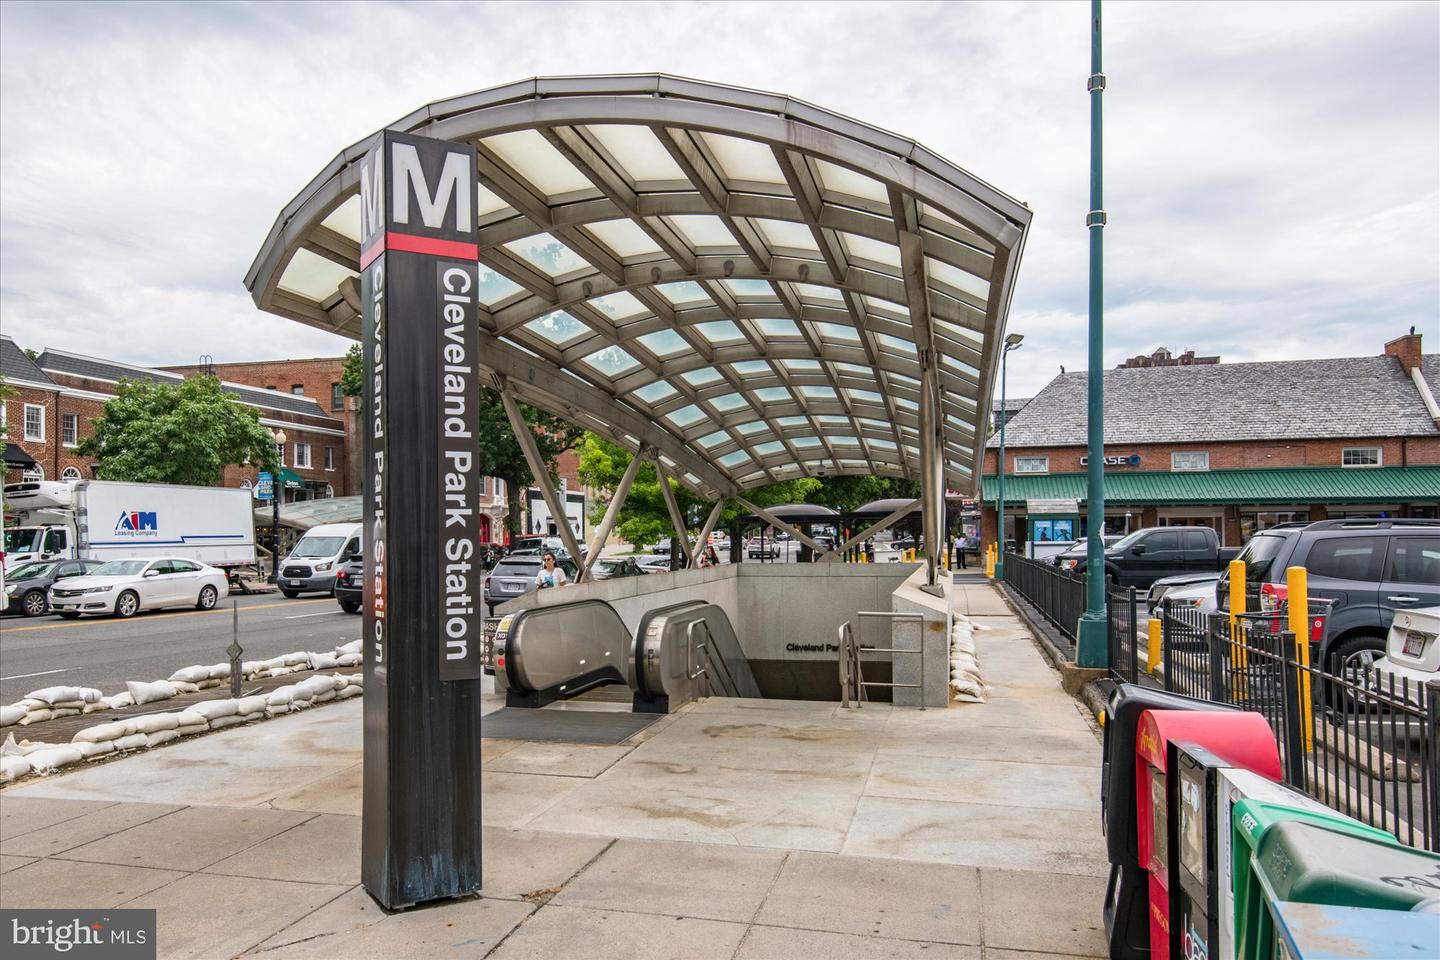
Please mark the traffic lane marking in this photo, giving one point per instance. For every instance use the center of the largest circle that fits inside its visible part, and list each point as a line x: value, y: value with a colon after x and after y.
x: 160, y: 616
x: 42, y: 673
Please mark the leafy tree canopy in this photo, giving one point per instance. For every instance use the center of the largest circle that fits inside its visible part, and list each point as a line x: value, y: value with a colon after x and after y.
x: 186, y: 432
x: 352, y: 374
x: 498, y: 452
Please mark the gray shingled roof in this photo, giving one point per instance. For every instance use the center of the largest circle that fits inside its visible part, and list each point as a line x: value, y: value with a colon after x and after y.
x: 15, y: 365
x: 81, y: 366
x: 1278, y: 400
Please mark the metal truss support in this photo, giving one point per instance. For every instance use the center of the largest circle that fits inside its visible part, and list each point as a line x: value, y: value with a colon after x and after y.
x: 701, y: 540
x: 676, y: 519
x: 888, y: 521
x: 612, y: 514
x: 537, y: 469
x: 779, y: 524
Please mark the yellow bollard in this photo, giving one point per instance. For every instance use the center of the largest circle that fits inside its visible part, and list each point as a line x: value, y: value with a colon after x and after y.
x: 1238, y: 658
x: 989, y: 562
x: 1297, y: 595
x: 1152, y: 651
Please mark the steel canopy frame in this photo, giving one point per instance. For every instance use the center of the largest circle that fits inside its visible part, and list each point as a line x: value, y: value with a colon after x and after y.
x: 798, y: 287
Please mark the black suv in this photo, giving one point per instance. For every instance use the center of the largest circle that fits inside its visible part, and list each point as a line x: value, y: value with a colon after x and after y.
x: 350, y: 583
x: 1369, y: 568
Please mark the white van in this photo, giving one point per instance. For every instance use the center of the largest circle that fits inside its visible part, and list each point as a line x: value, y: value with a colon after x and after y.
x: 311, y: 565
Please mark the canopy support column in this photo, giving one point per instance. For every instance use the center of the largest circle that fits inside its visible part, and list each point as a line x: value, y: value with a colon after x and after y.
x: 612, y: 513
x: 779, y: 524
x: 704, y: 537
x: 673, y: 507
x: 932, y: 471
x: 537, y: 469
x: 879, y: 526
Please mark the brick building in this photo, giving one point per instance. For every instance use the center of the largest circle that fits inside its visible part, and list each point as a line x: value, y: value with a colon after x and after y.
x: 1236, y: 447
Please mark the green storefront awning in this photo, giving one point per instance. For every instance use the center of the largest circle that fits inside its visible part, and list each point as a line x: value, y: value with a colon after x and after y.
x: 293, y: 480
x: 1296, y: 485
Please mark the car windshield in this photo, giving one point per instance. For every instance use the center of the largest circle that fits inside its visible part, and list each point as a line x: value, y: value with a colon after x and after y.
x: 317, y: 547
x: 609, y: 566
x: 1124, y: 543
x: 1258, y: 555
x: 516, y: 568
x: 119, y: 568
x: 22, y: 539
x: 31, y: 571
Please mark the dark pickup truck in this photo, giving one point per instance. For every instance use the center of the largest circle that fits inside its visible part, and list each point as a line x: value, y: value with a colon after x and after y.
x: 1148, y: 555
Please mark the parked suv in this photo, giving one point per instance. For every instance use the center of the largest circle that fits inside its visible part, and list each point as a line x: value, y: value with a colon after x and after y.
x: 1153, y: 553
x: 515, y: 576
x: 1368, y: 568
x: 350, y: 584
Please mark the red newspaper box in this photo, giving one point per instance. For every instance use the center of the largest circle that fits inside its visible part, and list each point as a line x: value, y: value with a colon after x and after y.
x: 1241, y: 738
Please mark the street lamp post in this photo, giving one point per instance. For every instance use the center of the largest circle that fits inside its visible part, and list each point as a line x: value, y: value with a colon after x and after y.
x: 1012, y: 342
x: 277, y: 487
x: 1092, y: 647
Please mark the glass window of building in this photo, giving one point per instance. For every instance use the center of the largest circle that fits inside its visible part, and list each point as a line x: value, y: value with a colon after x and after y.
x: 1360, y: 457
x: 34, y: 423
x: 1190, y: 460
x: 70, y: 473
x: 329, y: 458
x: 1032, y: 464
x: 298, y: 389
x: 337, y: 397
x: 302, y: 455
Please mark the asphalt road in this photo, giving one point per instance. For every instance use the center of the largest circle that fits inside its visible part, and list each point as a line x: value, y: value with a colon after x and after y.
x: 104, y: 652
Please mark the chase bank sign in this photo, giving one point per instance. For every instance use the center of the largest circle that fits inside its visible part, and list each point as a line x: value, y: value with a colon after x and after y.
x: 1117, y: 460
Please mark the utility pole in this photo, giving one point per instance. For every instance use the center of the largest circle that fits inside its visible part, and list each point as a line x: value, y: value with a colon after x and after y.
x: 1091, y: 649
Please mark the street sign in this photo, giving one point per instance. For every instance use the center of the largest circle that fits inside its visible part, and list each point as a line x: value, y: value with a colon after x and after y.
x: 265, y: 485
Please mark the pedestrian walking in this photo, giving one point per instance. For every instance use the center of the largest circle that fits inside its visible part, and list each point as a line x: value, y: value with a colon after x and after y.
x: 960, y: 553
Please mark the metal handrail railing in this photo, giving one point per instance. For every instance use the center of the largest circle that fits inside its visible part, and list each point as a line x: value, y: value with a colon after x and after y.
x: 690, y: 646
x: 851, y: 673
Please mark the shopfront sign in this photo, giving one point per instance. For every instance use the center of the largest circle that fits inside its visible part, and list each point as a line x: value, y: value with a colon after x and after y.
x: 1116, y: 460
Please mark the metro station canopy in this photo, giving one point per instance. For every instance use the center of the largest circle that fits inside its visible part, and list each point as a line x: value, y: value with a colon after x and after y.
x: 735, y: 278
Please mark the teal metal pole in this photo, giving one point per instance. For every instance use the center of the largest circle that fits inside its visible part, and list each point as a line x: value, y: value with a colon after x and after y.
x: 1000, y: 501
x: 1092, y: 648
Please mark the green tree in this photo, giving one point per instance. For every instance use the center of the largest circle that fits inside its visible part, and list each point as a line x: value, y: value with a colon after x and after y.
x: 848, y: 493
x: 499, y: 454
x: 186, y: 432
x: 352, y: 374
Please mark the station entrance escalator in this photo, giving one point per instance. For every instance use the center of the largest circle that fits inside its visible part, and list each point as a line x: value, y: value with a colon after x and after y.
x: 678, y: 653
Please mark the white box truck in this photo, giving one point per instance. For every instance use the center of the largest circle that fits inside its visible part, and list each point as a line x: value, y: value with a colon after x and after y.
x: 106, y: 520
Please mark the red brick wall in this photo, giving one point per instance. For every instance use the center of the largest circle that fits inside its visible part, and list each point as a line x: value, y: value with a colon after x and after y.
x: 315, y: 375
x: 42, y: 451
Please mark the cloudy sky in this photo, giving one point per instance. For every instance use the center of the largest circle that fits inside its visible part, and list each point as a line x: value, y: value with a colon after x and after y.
x: 1272, y: 180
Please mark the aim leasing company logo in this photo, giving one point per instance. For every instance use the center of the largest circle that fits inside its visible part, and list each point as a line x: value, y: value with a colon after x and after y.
x: 137, y: 523
x: 108, y: 934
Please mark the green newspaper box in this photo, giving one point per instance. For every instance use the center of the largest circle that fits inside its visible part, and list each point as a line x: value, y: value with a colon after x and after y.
x: 1282, y: 854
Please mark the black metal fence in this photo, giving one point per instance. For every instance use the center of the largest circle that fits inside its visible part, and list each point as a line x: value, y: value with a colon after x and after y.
x: 1122, y: 613
x: 1058, y: 596
x: 1365, y: 744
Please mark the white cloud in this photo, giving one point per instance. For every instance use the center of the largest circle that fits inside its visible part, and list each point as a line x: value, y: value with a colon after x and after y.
x: 1271, y: 169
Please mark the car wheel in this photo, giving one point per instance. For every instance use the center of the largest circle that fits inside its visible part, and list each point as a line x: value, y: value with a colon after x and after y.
x: 69, y: 615
x: 33, y: 604
x: 207, y: 598
x: 350, y: 606
x: 290, y: 594
x: 127, y: 604
x: 1353, y: 660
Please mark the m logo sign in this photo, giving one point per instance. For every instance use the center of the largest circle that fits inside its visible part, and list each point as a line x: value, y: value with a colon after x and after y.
x: 137, y: 523
x: 429, y: 206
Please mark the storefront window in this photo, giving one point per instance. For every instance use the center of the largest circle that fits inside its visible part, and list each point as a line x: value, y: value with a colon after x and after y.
x: 1250, y: 523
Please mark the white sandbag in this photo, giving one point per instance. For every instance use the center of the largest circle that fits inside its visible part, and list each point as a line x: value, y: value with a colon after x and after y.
x: 219, y: 671
x: 210, y: 709
x: 53, y: 695
x: 189, y: 718
x: 12, y: 749
x: 150, y: 692
x: 53, y: 758
x: 186, y: 729
x: 292, y: 659
x: 120, y: 700
x: 352, y: 647
x: 76, y: 704
x: 59, y: 712
x: 249, y: 705
x: 276, y: 709
x: 133, y: 741
x: 220, y: 723
x: 102, y: 731
x: 298, y: 704
x: 35, y: 716
x: 320, y: 683
x: 190, y: 675
x: 281, y: 695
x: 354, y: 690
x: 323, y: 661
x: 348, y: 660
x: 161, y: 736
x: 90, y: 694
x: 325, y: 697
x: 355, y: 677
x: 967, y: 692
x: 30, y: 703
x: 13, y: 768
x: 96, y: 707
x: 182, y: 686
x: 210, y: 684
x: 274, y: 663
x: 92, y: 750
x: 155, y: 722
x: 11, y: 714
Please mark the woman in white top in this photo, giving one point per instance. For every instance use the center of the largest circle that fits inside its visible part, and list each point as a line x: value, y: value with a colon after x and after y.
x: 551, y: 574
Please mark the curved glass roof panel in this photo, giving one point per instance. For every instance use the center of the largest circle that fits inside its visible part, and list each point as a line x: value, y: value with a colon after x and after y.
x: 641, y: 241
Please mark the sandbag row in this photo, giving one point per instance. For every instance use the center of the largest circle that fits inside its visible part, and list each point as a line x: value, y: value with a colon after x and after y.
x: 966, y: 684
x: 54, y: 702
x: 153, y: 729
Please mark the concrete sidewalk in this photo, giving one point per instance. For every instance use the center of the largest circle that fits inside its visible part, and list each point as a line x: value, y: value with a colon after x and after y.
x: 732, y: 829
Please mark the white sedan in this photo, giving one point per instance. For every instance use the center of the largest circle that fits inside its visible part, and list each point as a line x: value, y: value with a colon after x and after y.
x: 125, y: 587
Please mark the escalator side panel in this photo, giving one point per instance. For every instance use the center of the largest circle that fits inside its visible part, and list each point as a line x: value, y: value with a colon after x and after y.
x: 559, y: 651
